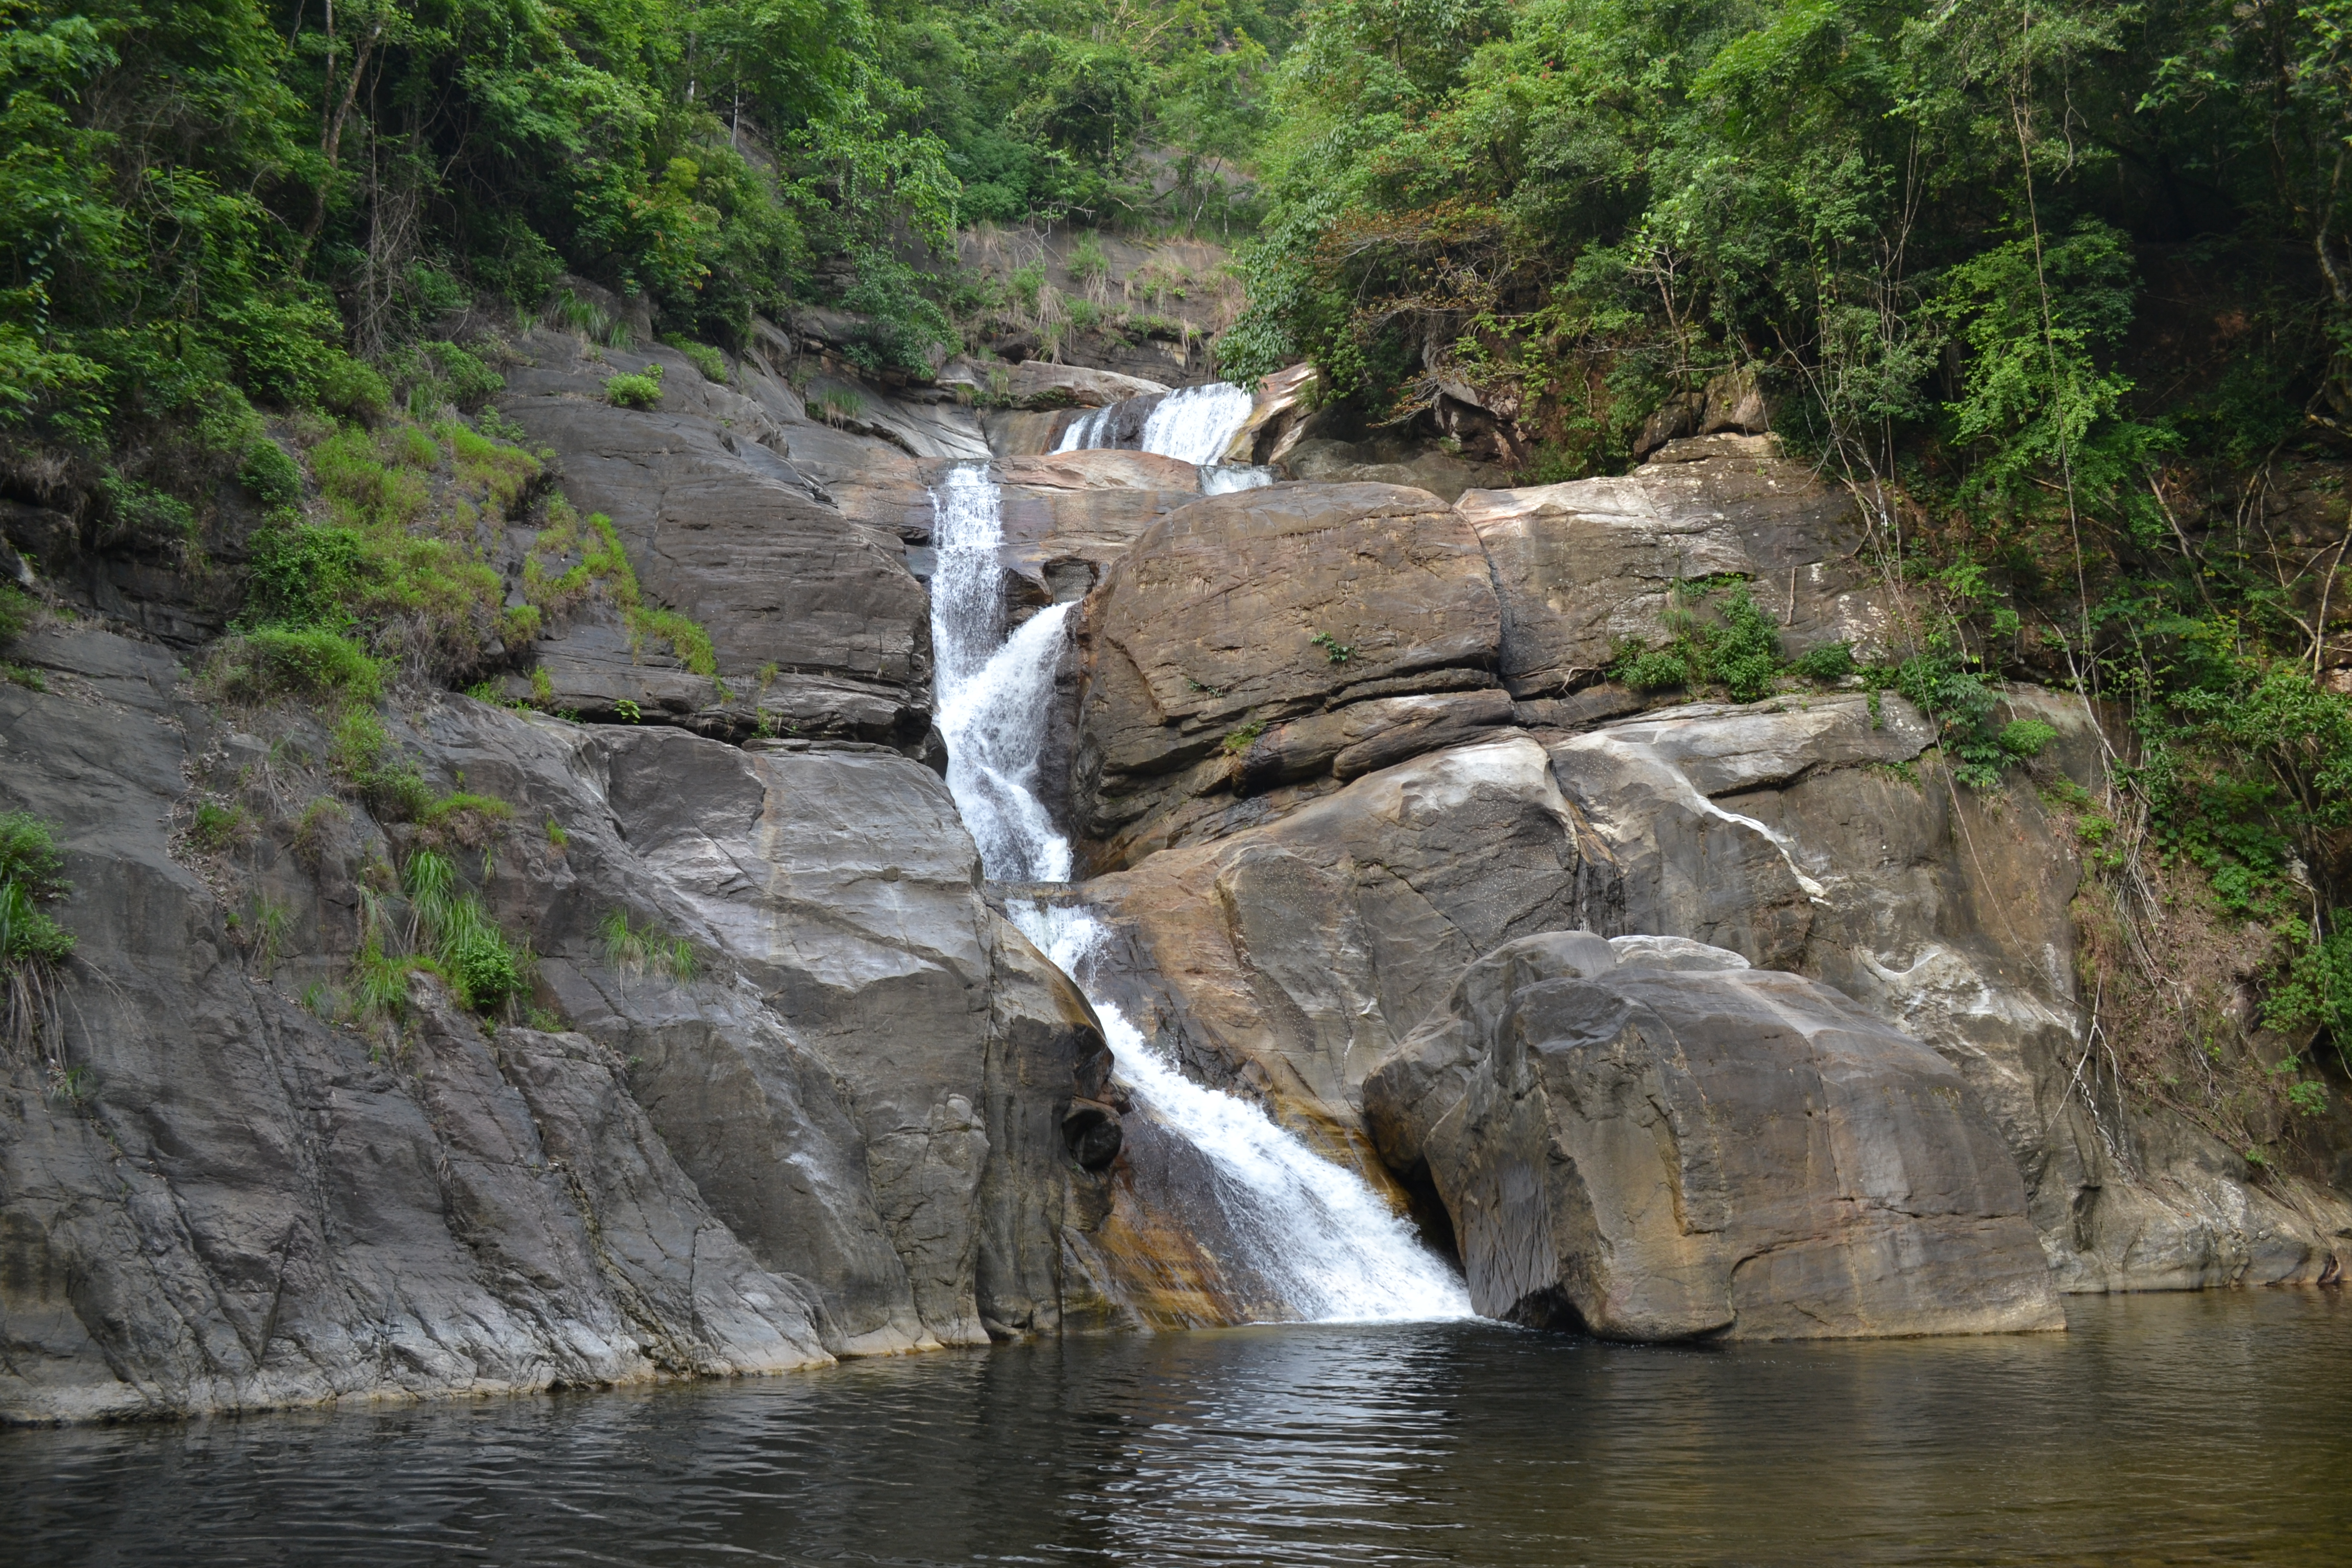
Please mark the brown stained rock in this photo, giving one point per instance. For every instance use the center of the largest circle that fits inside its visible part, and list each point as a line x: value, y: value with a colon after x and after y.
x: 1289, y: 957
x: 1259, y: 607
x: 1582, y: 566
x: 1648, y: 1144
x: 1283, y: 402
x: 1038, y: 384
x: 1068, y: 516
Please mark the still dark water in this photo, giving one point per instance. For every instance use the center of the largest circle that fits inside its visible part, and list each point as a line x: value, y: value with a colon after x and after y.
x: 2213, y: 1428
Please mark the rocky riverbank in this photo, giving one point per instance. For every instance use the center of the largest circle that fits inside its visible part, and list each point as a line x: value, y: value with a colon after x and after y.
x: 1341, y: 776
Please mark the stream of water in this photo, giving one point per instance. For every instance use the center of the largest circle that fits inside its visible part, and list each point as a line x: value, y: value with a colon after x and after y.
x: 1313, y: 1230
x: 2172, y: 1429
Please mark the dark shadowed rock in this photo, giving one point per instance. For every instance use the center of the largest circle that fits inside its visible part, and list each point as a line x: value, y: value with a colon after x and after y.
x: 1659, y: 1145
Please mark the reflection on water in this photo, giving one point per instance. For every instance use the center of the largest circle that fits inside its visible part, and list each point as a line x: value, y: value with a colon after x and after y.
x: 2161, y: 1429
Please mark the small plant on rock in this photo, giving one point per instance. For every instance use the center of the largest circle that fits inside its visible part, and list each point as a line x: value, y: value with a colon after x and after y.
x: 643, y: 390
x: 33, y: 946
x: 1335, y: 651
x: 632, y: 949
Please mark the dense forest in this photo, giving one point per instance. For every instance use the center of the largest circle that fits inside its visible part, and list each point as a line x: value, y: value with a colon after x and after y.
x: 2062, y: 294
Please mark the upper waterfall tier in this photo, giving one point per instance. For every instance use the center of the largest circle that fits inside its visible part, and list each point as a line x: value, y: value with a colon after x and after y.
x: 1195, y: 424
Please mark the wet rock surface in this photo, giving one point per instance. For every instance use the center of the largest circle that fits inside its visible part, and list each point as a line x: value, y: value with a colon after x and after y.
x: 1650, y: 1140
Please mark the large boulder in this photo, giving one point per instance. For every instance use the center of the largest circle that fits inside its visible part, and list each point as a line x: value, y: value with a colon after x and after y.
x: 1584, y: 566
x: 1286, y: 958
x: 1649, y: 1140
x: 1246, y: 610
x: 841, y: 1129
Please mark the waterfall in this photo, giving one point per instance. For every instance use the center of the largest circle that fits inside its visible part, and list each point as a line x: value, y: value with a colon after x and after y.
x: 1086, y: 431
x: 1195, y: 424
x: 992, y: 691
x: 1312, y: 1229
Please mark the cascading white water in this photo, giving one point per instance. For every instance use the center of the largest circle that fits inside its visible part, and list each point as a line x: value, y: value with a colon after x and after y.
x: 1223, y: 478
x: 1084, y: 431
x: 1195, y: 424
x: 991, y: 689
x: 1312, y: 1229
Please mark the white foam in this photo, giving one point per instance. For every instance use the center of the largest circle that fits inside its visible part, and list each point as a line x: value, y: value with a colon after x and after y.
x: 1312, y: 1229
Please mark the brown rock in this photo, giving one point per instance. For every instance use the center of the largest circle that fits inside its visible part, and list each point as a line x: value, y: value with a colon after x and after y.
x: 1581, y: 567
x: 1266, y: 604
x: 1650, y: 1141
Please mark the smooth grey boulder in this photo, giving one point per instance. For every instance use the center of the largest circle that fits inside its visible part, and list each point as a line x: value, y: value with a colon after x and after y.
x: 1662, y: 1143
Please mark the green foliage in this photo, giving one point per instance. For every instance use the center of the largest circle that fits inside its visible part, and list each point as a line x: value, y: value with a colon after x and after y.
x: 602, y: 565
x: 33, y: 946
x: 362, y: 754
x: 905, y: 327
x: 270, y: 475
x: 1240, y: 740
x: 395, y: 561
x: 1334, y: 650
x: 1736, y: 646
x: 632, y: 948
x: 218, y: 829
x: 1829, y: 663
x: 16, y: 608
x: 449, y: 925
x: 643, y: 390
x: 272, y: 661
x: 702, y: 356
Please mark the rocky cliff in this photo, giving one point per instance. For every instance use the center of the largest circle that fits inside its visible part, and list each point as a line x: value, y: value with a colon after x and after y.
x: 785, y: 1084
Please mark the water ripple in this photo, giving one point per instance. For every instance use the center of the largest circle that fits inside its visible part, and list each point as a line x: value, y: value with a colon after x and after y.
x: 2173, y: 1430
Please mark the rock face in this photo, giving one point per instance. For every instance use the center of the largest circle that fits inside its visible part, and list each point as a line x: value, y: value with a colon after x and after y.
x: 1584, y: 565
x: 1649, y: 1140
x: 720, y: 523
x: 1262, y: 605
x: 843, y: 1133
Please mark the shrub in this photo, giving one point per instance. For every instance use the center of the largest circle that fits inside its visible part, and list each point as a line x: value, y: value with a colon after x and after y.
x: 219, y: 828
x: 294, y: 661
x: 1829, y: 664
x: 144, y: 515
x: 15, y: 613
x: 351, y: 387
x: 1738, y: 648
x: 643, y: 390
x: 362, y: 754
x: 702, y: 356
x: 470, y: 383
x: 605, y: 563
x: 463, y: 818
x: 32, y: 944
x: 270, y: 475
x: 464, y: 945
x: 631, y: 948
